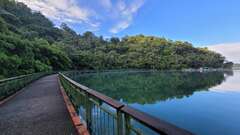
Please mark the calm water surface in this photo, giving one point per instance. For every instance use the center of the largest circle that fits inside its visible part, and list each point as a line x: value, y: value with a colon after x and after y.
x: 204, y: 103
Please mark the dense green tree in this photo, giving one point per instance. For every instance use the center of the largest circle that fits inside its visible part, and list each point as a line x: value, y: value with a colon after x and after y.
x: 115, y: 40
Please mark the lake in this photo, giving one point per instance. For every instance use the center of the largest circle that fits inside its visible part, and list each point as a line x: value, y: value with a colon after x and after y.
x: 205, y: 103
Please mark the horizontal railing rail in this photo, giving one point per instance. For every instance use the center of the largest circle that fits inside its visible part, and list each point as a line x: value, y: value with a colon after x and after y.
x: 13, y: 78
x: 11, y: 85
x: 104, y: 115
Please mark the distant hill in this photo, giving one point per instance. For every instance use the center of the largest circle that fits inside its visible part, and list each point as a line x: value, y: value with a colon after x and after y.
x: 29, y: 42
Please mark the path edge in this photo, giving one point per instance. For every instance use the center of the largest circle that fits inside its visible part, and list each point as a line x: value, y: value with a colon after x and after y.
x: 5, y: 100
x: 79, y: 126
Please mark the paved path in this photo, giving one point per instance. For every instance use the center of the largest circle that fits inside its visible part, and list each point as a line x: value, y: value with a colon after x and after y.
x: 38, y: 110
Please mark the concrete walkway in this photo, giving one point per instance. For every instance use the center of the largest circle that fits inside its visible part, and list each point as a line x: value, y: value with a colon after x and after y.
x: 38, y: 110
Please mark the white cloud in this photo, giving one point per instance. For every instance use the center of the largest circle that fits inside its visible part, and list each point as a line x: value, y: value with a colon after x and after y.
x: 230, y: 50
x: 117, y: 15
x: 120, y: 26
x: 62, y: 10
x: 125, y: 14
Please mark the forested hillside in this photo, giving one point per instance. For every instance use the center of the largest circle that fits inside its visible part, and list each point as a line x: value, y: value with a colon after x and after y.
x: 29, y: 42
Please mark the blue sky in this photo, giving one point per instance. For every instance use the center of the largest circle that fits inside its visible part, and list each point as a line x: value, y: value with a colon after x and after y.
x: 201, y: 22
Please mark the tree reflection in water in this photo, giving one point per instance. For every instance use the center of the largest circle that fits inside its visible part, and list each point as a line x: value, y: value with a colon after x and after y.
x: 150, y: 87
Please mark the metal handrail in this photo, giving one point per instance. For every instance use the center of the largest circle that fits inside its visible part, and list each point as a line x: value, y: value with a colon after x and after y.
x: 13, y: 78
x: 155, y: 124
x: 22, y: 76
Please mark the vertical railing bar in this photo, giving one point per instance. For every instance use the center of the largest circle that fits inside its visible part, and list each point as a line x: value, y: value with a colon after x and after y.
x: 84, y: 107
x: 109, y: 124
x: 95, y: 122
x: 81, y: 107
x: 93, y: 125
x: 99, y: 120
x: 88, y: 113
x: 101, y: 125
x: 127, y: 124
x: 113, y: 126
x: 104, y: 127
x: 119, y: 123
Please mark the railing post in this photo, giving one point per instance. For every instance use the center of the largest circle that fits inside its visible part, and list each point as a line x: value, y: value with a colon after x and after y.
x: 127, y: 124
x: 119, y: 123
x: 88, y: 113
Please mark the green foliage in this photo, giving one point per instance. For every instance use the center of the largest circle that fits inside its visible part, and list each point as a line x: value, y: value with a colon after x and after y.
x: 144, y: 52
x: 27, y: 42
x: 20, y: 56
x: 3, y: 26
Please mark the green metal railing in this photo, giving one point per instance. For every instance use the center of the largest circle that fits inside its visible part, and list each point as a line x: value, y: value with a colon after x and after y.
x: 106, y: 116
x: 10, y: 86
